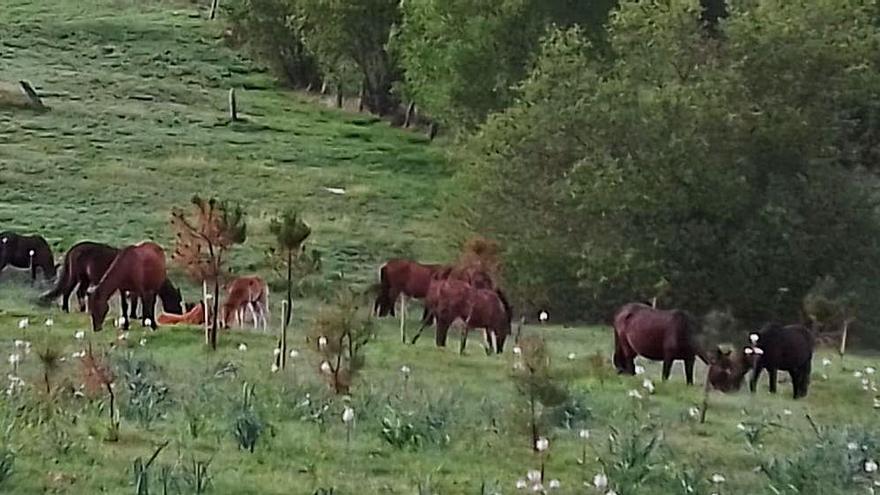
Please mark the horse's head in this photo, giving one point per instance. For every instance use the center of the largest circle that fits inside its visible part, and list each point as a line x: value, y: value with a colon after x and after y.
x: 98, y: 308
x: 727, y: 369
x: 172, y: 299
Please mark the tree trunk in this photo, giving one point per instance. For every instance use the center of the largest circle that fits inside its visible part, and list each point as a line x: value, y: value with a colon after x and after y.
x: 212, y: 337
x: 410, y: 113
x: 339, y: 96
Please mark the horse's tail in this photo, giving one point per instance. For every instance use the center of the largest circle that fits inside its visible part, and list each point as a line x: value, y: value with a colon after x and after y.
x: 384, y: 305
x: 62, y: 279
x: 508, y: 309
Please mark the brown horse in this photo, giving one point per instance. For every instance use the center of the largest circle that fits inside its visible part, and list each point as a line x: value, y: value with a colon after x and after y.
x: 400, y: 276
x: 246, y: 293
x: 139, y: 270
x: 659, y: 335
x: 84, y: 264
x: 450, y: 299
x: 27, y: 252
x: 194, y: 316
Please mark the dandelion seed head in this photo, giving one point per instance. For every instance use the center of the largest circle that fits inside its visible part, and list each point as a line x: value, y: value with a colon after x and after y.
x: 717, y: 478
x: 542, y: 444
x: 600, y: 481
x: 242, y: 347
x: 584, y: 434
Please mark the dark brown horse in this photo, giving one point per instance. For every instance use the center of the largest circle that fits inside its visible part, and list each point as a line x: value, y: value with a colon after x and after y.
x: 26, y: 252
x: 658, y: 335
x: 84, y: 264
x: 450, y: 299
x: 138, y: 270
x: 401, y: 276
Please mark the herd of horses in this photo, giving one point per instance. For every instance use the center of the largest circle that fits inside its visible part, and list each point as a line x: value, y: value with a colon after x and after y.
x: 471, y: 295
x: 451, y: 293
x: 96, y: 272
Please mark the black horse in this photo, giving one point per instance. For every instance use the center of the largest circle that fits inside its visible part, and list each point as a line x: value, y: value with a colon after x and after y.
x: 27, y: 252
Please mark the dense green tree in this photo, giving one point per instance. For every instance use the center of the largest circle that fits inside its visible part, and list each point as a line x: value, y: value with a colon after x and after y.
x: 722, y: 171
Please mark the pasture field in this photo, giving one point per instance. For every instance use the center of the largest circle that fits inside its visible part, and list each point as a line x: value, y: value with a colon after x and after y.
x: 137, y: 92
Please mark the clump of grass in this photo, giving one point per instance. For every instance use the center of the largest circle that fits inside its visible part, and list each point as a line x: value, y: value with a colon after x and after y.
x: 247, y: 426
x: 7, y: 464
x: 146, y: 397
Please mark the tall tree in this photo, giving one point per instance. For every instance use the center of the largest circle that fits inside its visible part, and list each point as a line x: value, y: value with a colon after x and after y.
x: 203, y: 238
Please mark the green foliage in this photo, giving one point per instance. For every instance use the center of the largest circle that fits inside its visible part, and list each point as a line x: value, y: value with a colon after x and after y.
x: 272, y: 31
x: 464, y: 58
x: 7, y: 464
x: 834, y: 461
x: 290, y: 230
x: 632, y: 459
x: 146, y: 397
x: 711, y: 172
x: 354, y: 36
x: 339, y: 333
x: 413, y: 430
x: 247, y: 425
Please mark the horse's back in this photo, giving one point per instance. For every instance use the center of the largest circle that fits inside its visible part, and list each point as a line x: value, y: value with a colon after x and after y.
x: 655, y: 334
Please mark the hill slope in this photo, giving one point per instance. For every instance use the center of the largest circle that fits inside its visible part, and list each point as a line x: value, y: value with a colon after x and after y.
x: 138, y: 124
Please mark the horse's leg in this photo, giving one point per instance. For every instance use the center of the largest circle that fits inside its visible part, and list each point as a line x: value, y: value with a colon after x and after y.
x: 464, y: 333
x: 753, y: 383
x: 123, y: 303
x: 403, y: 318
x: 689, y: 369
x: 667, y: 368
x: 135, y: 300
x: 149, y: 308
x: 442, y: 330
x: 772, y: 372
x: 250, y: 306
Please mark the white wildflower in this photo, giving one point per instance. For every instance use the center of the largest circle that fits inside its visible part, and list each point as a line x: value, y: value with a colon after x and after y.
x: 717, y: 478
x: 14, y: 359
x: 276, y: 352
x: 759, y: 351
x: 584, y: 434
x: 520, y: 484
x: 122, y: 336
x: 142, y: 342
x: 741, y: 427
x: 31, y: 253
x: 19, y: 343
x: 347, y: 415
x: 754, y: 338
x: 79, y: 335
x: 693, y: 412
x: 242, y: 347
x: 275, y: 368
x: 870, y: 371
x: 120, y: 322
x: 600, y: 481
x: 554, y: 484
x: 648, y: 385
x: 543, y: 316
x: 542, y: 444
x: 870, y: 466
x: 786, y: 412
x: 640, y: 370
x: 23, y: 323
x: 852, y: 446
x: 571, y: 356
x: 294, y: 354
x: 749, y: 351
x: 50, y: 322
x: 857, y: 374
x: 325, y: 367
x: 635, y: 394
x: 322, y: 342
x: 533, y: 475
x: 826, y: 362
x: 405, y: 370
x: 610, y: 492
x: 517, y: 350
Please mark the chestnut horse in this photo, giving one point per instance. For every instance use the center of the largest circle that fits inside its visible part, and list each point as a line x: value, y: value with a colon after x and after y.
x: 194, y: 316
x: 137, y: 269
x: 450, y: 299
x: 658, y: 335
x: 246, y: 293
x: 84, y: 264
x: 26, y: 252
x: 400, y: 276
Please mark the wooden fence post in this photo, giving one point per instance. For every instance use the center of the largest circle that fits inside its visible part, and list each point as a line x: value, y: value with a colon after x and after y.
x: 233, y: 105
x: 32, y: 95
x: 403, y: 318
x: 284, y: 309
x: 339, y: 96
x: 215, y: 4
x: 362, y: 97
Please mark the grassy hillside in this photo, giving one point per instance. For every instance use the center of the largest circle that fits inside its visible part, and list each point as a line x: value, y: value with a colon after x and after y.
x: 138, y: 124
x: 137, y: 91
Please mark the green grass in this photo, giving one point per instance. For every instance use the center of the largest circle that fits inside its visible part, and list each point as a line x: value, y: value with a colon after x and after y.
x: 137, y: 92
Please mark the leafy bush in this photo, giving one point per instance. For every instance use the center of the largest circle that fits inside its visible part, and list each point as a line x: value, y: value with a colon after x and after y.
x: 146, y: 398
x: 247, y: 425
x: 414, y: 430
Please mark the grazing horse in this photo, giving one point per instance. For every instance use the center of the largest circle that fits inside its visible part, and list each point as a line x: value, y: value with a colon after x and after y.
x: 84, y: 264
x: 246, y: 293
x: 787, y: 348
x: 137, y: 269
x: 450, y: 299
x: 27, y: 252
x: 400, y: 276
x: 659, y: 335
